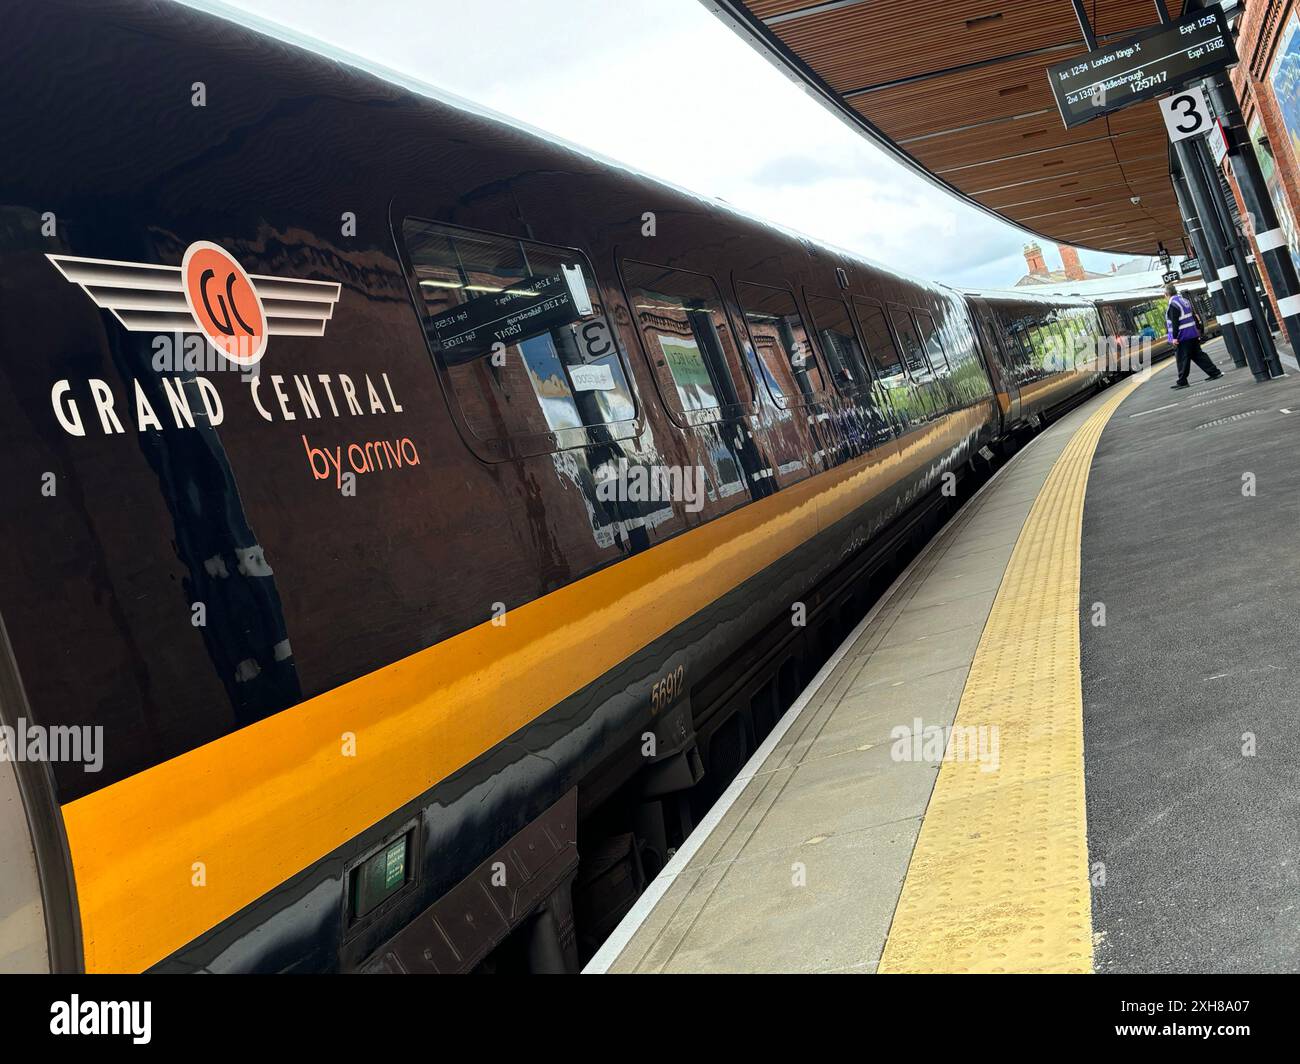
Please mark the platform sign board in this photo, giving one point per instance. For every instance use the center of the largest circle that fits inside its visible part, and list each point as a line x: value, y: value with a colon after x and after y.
x: 1187, y: 114
x: 1218, y: 142
x: 1190, y: 266
x: 1141, y: 67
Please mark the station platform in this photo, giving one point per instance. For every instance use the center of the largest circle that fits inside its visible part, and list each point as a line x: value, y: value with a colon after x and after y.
x: 1062, y: 742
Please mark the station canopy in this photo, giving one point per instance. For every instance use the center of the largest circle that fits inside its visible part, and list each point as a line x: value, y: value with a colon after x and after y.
x: 958, y: 89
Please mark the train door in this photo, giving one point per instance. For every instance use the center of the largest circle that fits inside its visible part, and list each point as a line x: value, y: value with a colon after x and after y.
x: 927, y: 387
x: 847, y: 361
x: 932, y: 345
x: 998, y: 361
x: 681, y: 324
x: 892, y: 390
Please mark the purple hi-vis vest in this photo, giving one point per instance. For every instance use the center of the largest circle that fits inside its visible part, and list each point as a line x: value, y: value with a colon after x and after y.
x: 1180, y: 320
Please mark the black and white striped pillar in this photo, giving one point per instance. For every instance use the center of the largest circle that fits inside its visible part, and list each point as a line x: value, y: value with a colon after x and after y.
x: 1222, y: 269
x: 1213, y: 286
x: 1251, y: 315
x: 1269, y: 236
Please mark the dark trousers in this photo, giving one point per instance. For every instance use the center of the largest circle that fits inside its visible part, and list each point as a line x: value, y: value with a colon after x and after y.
x: 1189, y: 351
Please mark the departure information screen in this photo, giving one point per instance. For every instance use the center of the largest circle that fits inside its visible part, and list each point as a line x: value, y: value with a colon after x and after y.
x: 1149, y: 64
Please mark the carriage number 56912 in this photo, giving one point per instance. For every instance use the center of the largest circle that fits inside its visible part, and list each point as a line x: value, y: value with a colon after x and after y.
x: 667, y: 690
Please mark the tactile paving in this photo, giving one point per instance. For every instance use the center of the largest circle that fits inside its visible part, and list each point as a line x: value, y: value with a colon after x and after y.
x: 998, y: 880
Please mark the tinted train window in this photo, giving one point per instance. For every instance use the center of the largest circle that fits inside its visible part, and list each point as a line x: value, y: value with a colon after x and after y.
x: 844, y: 358
x: 1085, y: 336
x: 519, y: 329
x: 969, y: 378
x: 880, y: 345
x: 785, y: 357
x: 1026, y: 326
x: 1073, y: 327
x: 1060, y: 341
x: 1149, y: 318
x: 1045, y: 340
x: 1055, y: 343
x: 933, y: 342
x: 687, y: 339
x: 1019, y: 327
x: 913, y: 350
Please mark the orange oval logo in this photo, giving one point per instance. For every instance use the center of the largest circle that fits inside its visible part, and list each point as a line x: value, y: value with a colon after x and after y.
x: 224, y: 302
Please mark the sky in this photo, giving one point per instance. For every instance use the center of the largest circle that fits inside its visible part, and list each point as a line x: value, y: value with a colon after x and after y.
x: 668, y: 88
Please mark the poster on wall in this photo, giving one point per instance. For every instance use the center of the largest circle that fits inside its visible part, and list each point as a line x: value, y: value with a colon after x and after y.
x: 1285, y: 79
x: 1275, y: 191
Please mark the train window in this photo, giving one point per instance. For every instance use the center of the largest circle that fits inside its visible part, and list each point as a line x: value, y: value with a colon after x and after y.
x: 1150, y: 319
x: 834, y: 328
x: 1013, y: 330
x: 1046, y: 340
x: 1021, y: 326
x: 786, y: 358
x: 969, y: 379
x: 933, y: 342
x: 880, y: 344
x: 1089, y: 333
x: 520, y: 331
x: 913, y: 349
x: 1056, y: 339
x: 1076, y: 337
x: 1031, y: 340
x: 687, y: 340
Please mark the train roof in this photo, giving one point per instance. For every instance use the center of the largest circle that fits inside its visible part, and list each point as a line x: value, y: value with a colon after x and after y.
x: 1022, y: 295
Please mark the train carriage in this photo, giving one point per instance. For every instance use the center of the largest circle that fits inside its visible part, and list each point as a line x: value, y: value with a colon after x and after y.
x: 407, y: 512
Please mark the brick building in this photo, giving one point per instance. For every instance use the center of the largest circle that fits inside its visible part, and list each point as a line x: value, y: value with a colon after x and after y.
x: 1038, y: 273
x: 1267, y: 81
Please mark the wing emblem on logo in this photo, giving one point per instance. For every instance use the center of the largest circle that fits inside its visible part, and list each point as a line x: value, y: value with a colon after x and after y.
x: 149, y: 298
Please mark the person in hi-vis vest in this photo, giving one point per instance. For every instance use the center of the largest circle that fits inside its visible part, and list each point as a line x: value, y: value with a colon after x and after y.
x: 1183, y: 326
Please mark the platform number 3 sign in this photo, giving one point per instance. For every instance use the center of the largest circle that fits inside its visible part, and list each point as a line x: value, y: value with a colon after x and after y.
x: 1186, y: 114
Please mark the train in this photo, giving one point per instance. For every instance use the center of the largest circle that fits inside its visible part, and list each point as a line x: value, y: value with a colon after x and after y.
x: 414, y: 521
x: 1142, y: 314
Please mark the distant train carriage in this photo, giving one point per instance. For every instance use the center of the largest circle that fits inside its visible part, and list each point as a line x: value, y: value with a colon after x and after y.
x: 1142, y: 315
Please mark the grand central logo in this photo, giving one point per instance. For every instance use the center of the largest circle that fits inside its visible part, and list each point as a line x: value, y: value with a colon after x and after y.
x: 209, y: 293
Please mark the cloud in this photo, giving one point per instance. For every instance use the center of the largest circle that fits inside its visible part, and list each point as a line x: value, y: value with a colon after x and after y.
x: 800, y: 171
x: 664, y: 86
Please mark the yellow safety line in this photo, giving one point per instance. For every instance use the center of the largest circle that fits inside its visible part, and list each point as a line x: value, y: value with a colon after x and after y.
x: 998, y: 880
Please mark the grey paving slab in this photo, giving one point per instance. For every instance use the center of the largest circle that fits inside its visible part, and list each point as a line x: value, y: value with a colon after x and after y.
x: 846, y: 792
x: 816, y: 906
x: 981, y: 554
x: 973, y: 579
x: 961, y: 610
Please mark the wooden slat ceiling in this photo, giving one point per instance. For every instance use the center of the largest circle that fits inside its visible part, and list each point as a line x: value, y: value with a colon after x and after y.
x: 960, y: 88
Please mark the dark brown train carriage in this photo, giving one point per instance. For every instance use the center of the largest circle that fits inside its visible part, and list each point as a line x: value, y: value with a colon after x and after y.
x: 402, y: 497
